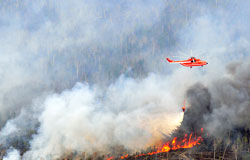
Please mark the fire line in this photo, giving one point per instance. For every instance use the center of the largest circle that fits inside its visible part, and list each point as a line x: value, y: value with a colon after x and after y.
x: 187, y: 142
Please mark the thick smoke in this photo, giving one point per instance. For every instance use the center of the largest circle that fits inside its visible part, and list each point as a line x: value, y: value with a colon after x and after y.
x: 127, y: 94
x: 132, y: 114
x: 12, y: 154
x: 220, y: 101
x: 231, y: 100
x: 199, y: 99
x: 223, y: 105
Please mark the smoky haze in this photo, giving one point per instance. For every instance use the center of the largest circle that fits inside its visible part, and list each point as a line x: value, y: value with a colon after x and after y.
x: 223, y: 105
x: 86, y: 76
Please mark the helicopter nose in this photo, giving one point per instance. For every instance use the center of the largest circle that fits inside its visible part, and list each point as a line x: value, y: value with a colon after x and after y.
x: 207, y: 63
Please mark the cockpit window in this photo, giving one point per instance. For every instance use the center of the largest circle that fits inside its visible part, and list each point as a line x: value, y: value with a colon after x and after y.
x: 193, y: 59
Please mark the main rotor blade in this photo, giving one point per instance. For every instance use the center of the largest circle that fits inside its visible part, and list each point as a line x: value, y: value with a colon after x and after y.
x: 181, y: 57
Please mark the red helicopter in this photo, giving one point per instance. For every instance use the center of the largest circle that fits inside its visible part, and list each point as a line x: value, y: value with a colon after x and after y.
x: 191, y: 62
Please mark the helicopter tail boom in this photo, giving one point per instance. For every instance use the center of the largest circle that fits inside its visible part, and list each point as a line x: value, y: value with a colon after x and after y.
x: 169, y: 60
x: 184, y: 61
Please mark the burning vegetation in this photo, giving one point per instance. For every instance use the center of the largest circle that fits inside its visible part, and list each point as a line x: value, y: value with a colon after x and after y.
x: 188, y: 141
x: 199, y: 148
x: 87, y: 79
x: 193, y: 139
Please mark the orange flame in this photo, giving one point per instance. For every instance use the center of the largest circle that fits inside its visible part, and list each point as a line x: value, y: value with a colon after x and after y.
x: 123, y: 157
x: 187, y: 142
x: 110, y: 158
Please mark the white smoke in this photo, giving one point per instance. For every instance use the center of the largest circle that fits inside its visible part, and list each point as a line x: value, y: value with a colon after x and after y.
x: 130, y: 113
x: 12, y: 154
x: 48, y: 47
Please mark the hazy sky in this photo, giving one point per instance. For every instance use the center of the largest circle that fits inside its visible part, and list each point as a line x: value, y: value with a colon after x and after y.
x: 94, y: 73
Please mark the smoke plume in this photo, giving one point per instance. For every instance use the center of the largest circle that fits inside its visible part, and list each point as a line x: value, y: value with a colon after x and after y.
x: 88, y: 76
